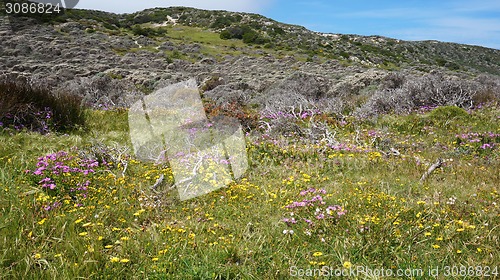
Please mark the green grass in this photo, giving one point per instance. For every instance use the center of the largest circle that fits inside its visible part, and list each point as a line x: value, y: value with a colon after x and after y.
x: 211, y: 44
x: 123, y: 230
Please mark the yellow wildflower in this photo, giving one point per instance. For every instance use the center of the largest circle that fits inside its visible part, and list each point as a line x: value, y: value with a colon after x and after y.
x: 139, y: 212
x: 347, y: 265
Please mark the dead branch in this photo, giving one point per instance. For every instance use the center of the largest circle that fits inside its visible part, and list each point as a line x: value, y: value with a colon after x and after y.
x: 158, y: 182
x: 431, y: 169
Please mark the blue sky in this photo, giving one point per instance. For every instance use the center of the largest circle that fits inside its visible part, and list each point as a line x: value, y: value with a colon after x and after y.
x: 469, y: 22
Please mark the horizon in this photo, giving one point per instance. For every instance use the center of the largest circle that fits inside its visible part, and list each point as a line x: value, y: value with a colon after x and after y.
x: 451, y: 21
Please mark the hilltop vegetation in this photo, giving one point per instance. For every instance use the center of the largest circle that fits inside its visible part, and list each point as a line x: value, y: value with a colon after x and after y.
x: 111, y: 60
x: 372, y: 51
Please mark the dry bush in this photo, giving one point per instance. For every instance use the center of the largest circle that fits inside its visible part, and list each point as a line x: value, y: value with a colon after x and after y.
x: 413, y: 93
x: 211, y: 82
x: 488, y: 91
x: 103, y: 92
x: 247, y: 119
x: 300, y: 89
x: 227, y: 94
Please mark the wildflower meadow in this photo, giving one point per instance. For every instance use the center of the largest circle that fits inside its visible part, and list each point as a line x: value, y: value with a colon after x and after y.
x: 79, y: 205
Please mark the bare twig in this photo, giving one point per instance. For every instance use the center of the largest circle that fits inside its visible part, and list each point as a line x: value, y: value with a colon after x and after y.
x: 125, y: 166
x: 395, y: 152
x: 158, y: 182
x: 431, y: 169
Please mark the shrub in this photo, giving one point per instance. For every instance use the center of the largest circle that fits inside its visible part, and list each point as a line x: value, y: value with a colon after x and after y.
x: 103, y: 92
x: 225, y: 35
x: 275, y: 31
x: 37, y: 108
x: 148, y: 31
x: 402, y: 94
x: 448, y: 112
x: 245, y: 33
x: 252, y: 37
x: 224, y: 21
x: 247, y: 119
x: 489, y: 90
x: 298, y: 90
x: 235, y: 32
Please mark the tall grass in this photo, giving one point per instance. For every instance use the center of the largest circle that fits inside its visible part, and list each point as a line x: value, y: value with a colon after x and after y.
x: 37, y: 108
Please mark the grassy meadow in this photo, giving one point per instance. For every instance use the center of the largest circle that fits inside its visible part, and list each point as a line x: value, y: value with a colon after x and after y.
x: 301, y: 207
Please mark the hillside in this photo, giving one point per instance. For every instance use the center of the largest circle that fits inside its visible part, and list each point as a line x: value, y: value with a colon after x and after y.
x: 373, y: 51
x: 247, y: 55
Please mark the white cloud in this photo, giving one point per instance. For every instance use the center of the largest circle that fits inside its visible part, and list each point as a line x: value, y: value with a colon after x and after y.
x: 116, y: 6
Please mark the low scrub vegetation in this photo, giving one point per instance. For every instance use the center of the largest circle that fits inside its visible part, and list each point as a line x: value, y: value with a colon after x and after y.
x: 245, y: 33
x: 148, y: 31
x: 402, y: 94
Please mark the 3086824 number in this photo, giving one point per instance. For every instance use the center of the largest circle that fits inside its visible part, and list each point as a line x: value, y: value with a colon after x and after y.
x: 470, y: 271
x: 31, y: 8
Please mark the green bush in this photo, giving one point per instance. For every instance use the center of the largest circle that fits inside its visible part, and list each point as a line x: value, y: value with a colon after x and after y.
x: 225, y: 21
x: 245, y: 33
x: 250, y: 37
x: 447, y: 113
x: 23, y: 106
x: 148, y: 31
x: 275, y: 30
x: 235, y: 32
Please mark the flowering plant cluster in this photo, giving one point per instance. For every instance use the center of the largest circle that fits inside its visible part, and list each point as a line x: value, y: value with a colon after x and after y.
x: 63, y: 176
x: 313, y: 211
x: 477, y: 143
